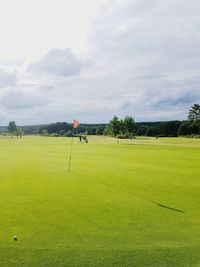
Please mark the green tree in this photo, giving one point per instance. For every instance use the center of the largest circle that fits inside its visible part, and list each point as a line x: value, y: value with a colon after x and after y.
x: 192, y: 126
x: 99, y: 130
x: 189, y: 128
x: 115, y: 126
x: 91, y: 130
x: 12, y: 127
x: 107, y: 130
x: 69, y: 133
x: 130, y: 126
x: 152, y: 131
x: 194, y: 113
x: 170, y: 128
x: 44, y: 132
x: 141, y: 130
x: 19, y: 133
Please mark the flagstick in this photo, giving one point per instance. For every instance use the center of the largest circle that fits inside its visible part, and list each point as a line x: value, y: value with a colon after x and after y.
x: 70, y: 157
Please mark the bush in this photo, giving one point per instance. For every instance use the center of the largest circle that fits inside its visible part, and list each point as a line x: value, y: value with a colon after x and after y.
x: 125, y: 136
x: 121, y: 136
x: 69, y: 133
x: 45, y: 132
x: 54, y: 135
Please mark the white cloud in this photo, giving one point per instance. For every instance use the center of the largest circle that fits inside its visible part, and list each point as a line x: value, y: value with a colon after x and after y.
x: 14, y: 99
x: 144, y: 61
x: 31, y: 28
x: 152, y: 47
x: 7, y: 78
x: 57, y: 62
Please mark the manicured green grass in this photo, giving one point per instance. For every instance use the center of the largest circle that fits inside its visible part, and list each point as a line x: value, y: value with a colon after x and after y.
x: 132, y: 203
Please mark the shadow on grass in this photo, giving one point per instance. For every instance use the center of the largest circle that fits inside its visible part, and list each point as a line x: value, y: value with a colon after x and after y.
x: 156, y: 203
x: 166, y: 207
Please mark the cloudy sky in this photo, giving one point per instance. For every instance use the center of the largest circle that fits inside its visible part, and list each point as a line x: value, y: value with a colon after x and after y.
x: 91, y: 60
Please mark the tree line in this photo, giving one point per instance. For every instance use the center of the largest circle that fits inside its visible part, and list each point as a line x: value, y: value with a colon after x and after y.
x: 189, y: 127
x: 127, y: 128
x: 120, y: 128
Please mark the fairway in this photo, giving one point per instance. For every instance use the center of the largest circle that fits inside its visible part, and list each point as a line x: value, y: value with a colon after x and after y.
x: 132, y: 203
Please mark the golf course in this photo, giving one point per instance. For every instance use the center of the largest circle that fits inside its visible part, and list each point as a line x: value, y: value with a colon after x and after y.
x: 124, y: 202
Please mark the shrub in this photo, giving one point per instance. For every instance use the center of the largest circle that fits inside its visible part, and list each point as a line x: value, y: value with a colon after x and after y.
x: 54, y: 135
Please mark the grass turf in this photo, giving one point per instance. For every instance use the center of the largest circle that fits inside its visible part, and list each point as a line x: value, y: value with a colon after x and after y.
x: 132, y: 203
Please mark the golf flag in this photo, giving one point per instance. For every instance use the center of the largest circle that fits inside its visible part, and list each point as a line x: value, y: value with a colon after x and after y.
x: 75, y: 124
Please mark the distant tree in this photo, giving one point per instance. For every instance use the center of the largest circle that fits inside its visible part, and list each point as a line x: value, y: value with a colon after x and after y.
x: 192, y: 126
x: 19, y: 133
x: 185, y: 128
x: 62, y: 132
x: 115, y: 126
x: 189, y: 128
x: 69, y: 133
x: 12, y: 127
x: 44, y: 132
x: 141, y: 130
x: 194, y: 113
x: 57, y: 127
x: 124, y: 128
x: 92, y: 130
x: 130, y: 125
x: 81, y: 129
x: 107, y: 130
x: 170, y: 128
x: 99, y: 130
x: 152, y: 131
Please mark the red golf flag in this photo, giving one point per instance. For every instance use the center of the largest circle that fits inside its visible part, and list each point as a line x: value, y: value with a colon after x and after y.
x: 75, y: 124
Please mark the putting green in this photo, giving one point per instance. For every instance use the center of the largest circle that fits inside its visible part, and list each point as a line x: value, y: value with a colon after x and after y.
x: 132, y: 203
